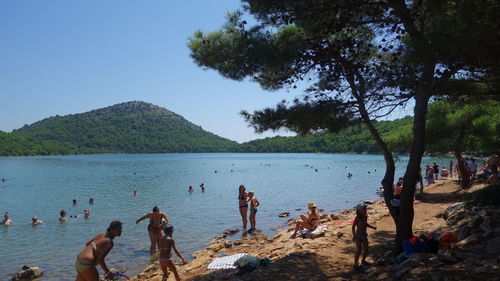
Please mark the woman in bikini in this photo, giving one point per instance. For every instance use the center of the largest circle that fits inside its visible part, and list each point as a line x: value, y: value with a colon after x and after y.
x: 94, y: 253
x: 309, y: 221
x: 157, y: 220
x: 242, y: 198
x: 165, y: 246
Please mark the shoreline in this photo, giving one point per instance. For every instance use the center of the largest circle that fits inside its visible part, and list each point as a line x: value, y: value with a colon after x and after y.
x: 329, y: 256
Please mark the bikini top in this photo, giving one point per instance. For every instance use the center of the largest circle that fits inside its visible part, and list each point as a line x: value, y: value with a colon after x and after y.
x: 242, y: 197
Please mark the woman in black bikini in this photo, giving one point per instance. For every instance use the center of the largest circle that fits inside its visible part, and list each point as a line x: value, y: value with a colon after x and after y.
x: 157, y: 220
x: 242, y: 198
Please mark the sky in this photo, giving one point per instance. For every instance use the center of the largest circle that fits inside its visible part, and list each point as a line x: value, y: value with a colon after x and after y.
x: 63, y: 57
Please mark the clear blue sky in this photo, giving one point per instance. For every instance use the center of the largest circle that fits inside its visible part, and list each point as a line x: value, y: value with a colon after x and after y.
x: 71, y: 56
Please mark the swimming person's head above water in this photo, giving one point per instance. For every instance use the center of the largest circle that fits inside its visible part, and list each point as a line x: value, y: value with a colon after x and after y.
x: 156, y: 209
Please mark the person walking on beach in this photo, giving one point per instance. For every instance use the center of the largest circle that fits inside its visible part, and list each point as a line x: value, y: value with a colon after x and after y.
x: 435, y: 167
x: 94, y: 253
x: 359, y: 235
x: 254, y: 203
x: 309, y: 221
x: 451, y: 169
x: 166, y: 245
x: 242, y: 198
x: 6, y: 220
x: 157, y: 220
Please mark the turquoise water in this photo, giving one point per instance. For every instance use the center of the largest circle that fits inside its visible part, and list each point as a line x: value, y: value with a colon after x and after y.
x: 42, y: 186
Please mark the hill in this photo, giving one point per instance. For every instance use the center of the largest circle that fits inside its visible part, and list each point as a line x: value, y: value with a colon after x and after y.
x: 130, y: 127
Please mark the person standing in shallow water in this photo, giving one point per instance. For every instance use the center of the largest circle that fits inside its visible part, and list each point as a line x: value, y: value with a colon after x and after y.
x: 157, y: 220
x: 94, y: 253
x: 242, y: 198
x: 254, y: 203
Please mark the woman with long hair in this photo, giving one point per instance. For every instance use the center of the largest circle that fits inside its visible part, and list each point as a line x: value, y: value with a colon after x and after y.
x: 243, y: 204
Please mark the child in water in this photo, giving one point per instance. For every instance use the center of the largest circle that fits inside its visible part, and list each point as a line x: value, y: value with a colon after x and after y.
x: 359, y: 235
x: 166, y: 245
x: 254, y: 203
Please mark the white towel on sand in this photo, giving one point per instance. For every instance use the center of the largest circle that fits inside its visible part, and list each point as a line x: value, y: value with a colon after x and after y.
x: 225, y: 262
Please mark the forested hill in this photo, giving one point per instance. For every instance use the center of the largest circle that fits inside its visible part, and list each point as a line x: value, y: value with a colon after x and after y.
x: 355, y: 139
x: 131, y: 127
x: 139, y: 127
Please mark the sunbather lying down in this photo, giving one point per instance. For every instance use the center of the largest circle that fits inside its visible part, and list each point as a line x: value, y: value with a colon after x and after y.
x: 308, y: 221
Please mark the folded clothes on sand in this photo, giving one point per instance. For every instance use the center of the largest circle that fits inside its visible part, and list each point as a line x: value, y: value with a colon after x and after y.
x: 225, y: 262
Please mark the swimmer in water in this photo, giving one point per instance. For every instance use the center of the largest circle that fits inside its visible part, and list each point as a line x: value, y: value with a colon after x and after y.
x: 94, y: 253
x: 202, y: 186
x: 86, y: 213
x: 157, y: 220
x: 91, y: 201
x: 35, y: 221
x: 165, y: 246
x: 190, y: 189
x: 74, y: 201
x: 63, y: 218
x: 135, y: 192
x: 6, y: 220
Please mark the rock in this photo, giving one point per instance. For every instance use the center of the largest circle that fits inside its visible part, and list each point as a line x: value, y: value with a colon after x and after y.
x: 453, y: 209
x: 481, y: 269
x: 284, y: 214
x: 436, y: 276
x: 463, y: 232
x: 401, y: 272
x: 28, y: 273
x: 339, y: 234
x: 420, y: 257
x: 231, y: 231
x: 469, y: 241
x: 493, y: 246
x: 334, y: 217
x: 447, y: 258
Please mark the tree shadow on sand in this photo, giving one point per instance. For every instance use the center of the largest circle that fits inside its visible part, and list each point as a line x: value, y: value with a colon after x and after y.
x: 439, y: 198
x: 296, y: 266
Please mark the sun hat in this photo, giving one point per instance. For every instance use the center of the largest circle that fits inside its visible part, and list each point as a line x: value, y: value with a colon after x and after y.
x: 311, y: 205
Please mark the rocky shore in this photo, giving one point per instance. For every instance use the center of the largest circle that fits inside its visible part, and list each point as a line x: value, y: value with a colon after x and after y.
x: 330, y: 257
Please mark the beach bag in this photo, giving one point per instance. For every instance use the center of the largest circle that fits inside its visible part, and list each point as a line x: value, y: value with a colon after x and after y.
x: 415, y: 245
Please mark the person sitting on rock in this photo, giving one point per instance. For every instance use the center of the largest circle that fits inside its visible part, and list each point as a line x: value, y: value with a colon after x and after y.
x: 308, y: 221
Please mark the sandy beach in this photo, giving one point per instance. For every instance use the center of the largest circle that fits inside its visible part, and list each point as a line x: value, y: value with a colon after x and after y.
x: 331, y: 257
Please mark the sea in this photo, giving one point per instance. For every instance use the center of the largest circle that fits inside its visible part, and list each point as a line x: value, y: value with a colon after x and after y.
x: 42, y: 186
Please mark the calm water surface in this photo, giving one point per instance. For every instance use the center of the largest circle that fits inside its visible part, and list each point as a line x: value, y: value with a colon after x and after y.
x: 42, y: 186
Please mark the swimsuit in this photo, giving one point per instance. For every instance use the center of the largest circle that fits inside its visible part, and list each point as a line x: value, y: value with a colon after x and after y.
x: 153, y: 226
x: 243, y: 197
x: 253, y: 211
x: 80, y: 266
x: 361, y: 237
x: 165, y: 260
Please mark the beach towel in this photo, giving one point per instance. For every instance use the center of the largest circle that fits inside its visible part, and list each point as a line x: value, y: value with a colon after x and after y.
x: 225, y: 262
x: 319, y: 231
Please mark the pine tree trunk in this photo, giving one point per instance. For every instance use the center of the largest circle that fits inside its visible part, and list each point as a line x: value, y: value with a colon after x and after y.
x: 406, y: 214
